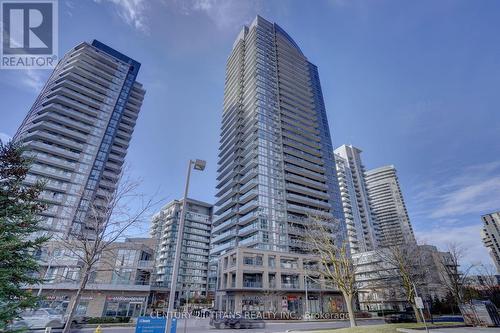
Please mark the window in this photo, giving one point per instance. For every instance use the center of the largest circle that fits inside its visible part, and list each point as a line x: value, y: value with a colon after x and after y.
x: 81, y: 309
x: 289, y: 263
x: 125, y: 257
x: 122, y: 276
x: 271, y: 261
x: 252, y: 261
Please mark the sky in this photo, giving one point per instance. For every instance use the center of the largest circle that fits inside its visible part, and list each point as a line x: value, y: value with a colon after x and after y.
x: 412, y: 83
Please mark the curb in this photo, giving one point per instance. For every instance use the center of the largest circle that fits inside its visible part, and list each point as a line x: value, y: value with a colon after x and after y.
x: 419, y: 329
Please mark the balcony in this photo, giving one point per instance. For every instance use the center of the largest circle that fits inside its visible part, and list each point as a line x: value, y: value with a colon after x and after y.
x: 250, y: 240
x: 248, y: 207
x: 226, y: 215
x: 307, y: 201
x: 224, y: 236
x: 310, y: 211
x: 306, y: 181
x: 248, y: 218
x: 197, y: 217
x: 226, y: 205
x: 249, y: 185
x: 290, y: 285
x: 302, y: 155
x: 223, y: 226
x: 302, y: 189
x: 296, y: 230
x: 252, y: 284
x: 222, y: 247
x: 249, y: 196
x: 248, y: 229
x: 298, y: 161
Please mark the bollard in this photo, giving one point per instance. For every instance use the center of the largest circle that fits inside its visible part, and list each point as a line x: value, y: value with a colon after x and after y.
x: 98, y: 329
x: 48, y: 329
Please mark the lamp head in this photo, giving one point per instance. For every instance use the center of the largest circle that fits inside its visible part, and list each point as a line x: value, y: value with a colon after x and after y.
x: 200, y: 165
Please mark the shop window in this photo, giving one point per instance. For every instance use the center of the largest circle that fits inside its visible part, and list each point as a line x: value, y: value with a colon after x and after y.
x: 81, y: 309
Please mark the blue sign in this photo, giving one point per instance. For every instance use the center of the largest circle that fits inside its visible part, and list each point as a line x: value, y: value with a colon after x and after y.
x: 150, y: 325
x: 173, y: 328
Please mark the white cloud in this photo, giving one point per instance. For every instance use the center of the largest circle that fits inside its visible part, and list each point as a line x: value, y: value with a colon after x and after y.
x: 4, y: 137
x: 472, y: 198
x: 223, y: 13
x: 33, y: 79
x: 475, y: 190
x: 133, y: 12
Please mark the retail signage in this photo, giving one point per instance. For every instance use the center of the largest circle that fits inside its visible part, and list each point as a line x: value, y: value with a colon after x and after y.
x: 125, y: 298
x: 150, y: 325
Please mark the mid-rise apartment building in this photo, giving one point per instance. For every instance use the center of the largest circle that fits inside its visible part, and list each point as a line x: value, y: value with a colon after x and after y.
x: 193, y: 272
x: 273, y: 281
x: 388, y: 207
x: 276, y: 166
x: 78, y: 132
x: 361, y: 225
x: 380, y: 286
x: 119, y: 285
x: 491, y: 236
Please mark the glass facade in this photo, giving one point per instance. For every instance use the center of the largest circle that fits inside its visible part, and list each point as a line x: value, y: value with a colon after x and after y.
x: 78, y: 131
x: 276, y: 162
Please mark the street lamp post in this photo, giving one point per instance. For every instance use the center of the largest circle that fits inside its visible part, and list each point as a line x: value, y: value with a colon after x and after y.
x: 307, y: 298
x: 197, y: 165
x: 420, y: 310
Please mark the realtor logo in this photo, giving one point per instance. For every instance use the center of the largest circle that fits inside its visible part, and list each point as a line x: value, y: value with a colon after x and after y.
x: 29, y: 34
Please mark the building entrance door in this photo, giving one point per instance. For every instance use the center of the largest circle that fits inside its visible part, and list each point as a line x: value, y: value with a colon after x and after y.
x: 134, y: 309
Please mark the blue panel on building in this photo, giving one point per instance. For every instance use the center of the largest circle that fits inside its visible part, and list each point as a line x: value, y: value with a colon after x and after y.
x: 150, y: 325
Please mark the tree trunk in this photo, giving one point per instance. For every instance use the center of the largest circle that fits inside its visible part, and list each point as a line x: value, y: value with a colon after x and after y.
x: 73, y: 305
x: 350, y: 310
x: 417, y: 313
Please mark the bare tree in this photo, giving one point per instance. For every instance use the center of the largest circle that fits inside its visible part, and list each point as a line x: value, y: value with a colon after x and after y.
x: 407, y: 267
x: 453, y: 272
x: 109, y: 218
x: 488, y: 286
x: 323, y: 238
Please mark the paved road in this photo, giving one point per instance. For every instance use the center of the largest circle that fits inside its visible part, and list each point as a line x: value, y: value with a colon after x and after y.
x: 462, y: 330
x: 201, y: 326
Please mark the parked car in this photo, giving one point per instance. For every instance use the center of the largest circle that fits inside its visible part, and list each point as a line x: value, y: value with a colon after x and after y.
x: 237, y: 321
x: 77, y: 321
x: 245, y: 322
x: 400, y: 318
x: 217, y: 321
x: 39, y: 318
x: 203, y: 312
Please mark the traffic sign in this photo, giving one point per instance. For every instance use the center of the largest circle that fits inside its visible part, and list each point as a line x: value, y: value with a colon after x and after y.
x: 419, y: 303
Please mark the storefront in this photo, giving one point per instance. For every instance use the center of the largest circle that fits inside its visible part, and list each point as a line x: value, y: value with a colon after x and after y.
x: 57, y: 302
x: 124, y: 306
x: 253, y: 303
x: 61, y: 302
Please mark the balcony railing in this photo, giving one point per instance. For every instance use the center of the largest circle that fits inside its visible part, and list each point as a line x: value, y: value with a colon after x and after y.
x: 145, y: 264
x: 224, y: 235
x: 252, y: 284
x: 222, y: 247
x: 290, y: 285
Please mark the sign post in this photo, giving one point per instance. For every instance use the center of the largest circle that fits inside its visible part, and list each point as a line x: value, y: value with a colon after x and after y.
x: 149, y: 324
x: 420, y: 305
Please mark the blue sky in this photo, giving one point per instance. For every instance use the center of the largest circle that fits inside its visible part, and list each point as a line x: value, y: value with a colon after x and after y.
x: 412, y: 83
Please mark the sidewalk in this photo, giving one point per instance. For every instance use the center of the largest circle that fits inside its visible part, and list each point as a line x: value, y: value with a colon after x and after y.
x: 454, y: 330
